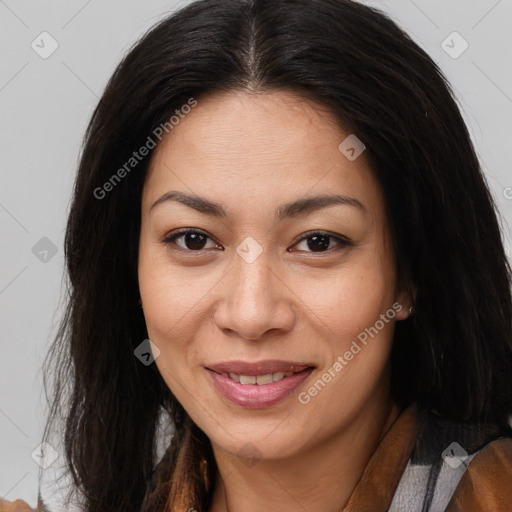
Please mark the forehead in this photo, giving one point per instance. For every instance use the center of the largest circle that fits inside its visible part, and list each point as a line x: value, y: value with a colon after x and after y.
x: 269, y: 147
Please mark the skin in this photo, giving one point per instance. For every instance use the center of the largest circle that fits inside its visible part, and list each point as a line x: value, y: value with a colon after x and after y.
x: 251, y: 154
x: 15, y: 506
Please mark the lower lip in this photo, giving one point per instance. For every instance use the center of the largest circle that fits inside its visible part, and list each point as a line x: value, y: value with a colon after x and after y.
x: 254, y: 396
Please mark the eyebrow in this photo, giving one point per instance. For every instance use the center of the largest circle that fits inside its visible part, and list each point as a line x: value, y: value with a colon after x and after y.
x: 297, y: 208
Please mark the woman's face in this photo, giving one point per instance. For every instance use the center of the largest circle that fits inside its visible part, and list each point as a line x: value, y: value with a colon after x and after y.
x: 250, y: 290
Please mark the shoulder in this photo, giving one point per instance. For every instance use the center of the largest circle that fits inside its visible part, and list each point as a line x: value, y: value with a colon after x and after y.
x: 15, y: 506
x: 21, y: 506
x: 457, y: 467
x: 486, y: 485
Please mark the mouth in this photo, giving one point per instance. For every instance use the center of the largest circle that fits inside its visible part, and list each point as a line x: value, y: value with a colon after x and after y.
x: 256, y: 385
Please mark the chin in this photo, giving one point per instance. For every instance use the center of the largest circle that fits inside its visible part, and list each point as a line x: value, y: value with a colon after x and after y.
x: 258, y: 444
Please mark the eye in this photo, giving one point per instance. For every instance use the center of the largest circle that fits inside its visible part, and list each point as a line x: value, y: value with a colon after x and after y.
x: 192, y: 240
x: 320, y: 241
x: 195, y: 240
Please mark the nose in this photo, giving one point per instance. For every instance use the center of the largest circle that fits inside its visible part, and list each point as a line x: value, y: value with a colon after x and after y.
x: 255, y: 300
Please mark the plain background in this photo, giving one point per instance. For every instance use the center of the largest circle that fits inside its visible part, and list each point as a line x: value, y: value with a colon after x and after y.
x: 45, y: 105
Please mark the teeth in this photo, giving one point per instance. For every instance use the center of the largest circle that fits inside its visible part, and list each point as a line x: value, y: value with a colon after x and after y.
x: 264, y: 379
x: 258, y: 379
x: 247, y: 379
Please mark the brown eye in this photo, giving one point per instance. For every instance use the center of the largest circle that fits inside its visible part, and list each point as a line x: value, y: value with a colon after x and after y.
x: 322, y: 242
x: 191, y: 240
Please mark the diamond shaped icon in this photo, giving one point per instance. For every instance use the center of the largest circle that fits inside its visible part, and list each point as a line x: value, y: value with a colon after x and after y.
x: 44, y: 250
x: 147, y: 352
x: 44, y: 45
x: 45, y: 455
x: 249, y: 250
x: 454, y: 455
x: 352, y: 147
x: 249, y: 454
x: 455, y: 45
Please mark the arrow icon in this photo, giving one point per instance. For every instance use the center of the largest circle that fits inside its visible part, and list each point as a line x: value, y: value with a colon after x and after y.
x: 249, y: 454
x: 351, y: 147
x: 44, y: 250
x: 454, y: 45
x: 44, y: 45
x: 147, y: 352
x: 44, y: 455
x: 249, y: 249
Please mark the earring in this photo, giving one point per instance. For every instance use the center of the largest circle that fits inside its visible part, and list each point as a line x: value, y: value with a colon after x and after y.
x: 410, y: 310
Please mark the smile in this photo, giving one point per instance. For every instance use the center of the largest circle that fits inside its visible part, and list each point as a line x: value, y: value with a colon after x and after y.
x: 257, y: 387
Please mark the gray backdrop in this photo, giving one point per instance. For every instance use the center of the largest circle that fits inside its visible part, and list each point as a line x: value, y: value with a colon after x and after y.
x: 56, y: 57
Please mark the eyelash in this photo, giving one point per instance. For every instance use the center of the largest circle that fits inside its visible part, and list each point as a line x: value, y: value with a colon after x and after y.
x: 170, y: 239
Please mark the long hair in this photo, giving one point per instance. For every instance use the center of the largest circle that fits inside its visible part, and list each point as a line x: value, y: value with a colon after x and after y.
x: 453, y: 355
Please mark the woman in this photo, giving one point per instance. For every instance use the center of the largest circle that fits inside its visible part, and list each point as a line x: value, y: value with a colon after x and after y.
x: 283, y: 197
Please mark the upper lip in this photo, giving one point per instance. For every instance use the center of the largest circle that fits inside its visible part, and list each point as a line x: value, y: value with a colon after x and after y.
x: 258, y: 367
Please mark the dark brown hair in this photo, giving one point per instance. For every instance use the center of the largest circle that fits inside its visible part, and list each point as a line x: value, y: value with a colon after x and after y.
x: 453, y: 355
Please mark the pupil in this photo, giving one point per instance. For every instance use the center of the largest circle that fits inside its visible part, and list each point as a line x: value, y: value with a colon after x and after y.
x: 194, y: 241
x: 318, y: 242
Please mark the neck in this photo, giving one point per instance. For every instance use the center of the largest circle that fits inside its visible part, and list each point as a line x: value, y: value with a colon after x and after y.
x: 318, y: 480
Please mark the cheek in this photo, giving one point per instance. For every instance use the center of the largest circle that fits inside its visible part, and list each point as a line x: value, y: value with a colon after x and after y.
x: 175, y: 305
x: 169, y: 315
x: 349, y: 306
x: 354, y: 361
x: 351, y: 299
x: 172, y: 297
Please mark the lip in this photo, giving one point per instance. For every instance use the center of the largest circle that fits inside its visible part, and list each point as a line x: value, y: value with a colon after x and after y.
x: 258, y: 367
x: 255, y: 396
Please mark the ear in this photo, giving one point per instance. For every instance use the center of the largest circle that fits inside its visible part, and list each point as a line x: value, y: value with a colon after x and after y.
x: 406, y: 298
